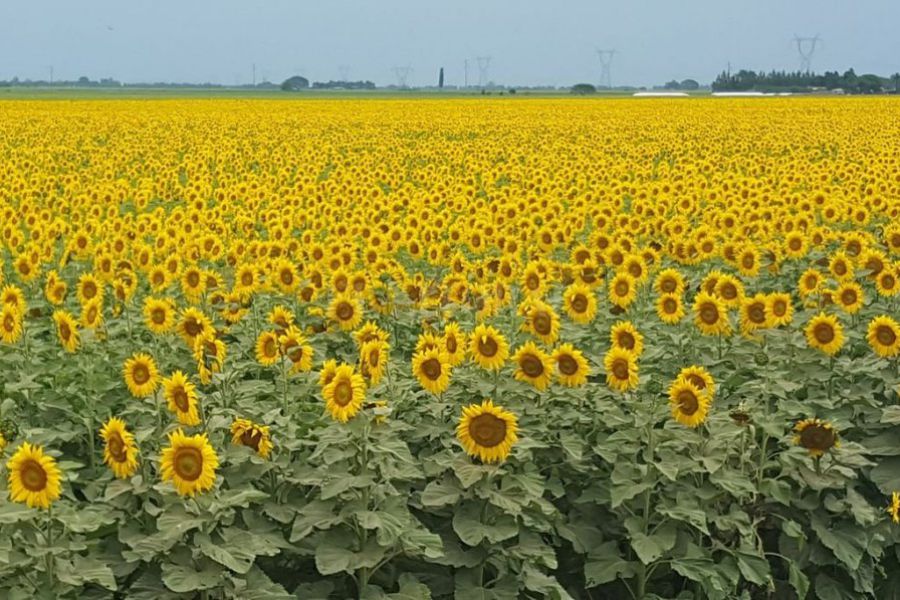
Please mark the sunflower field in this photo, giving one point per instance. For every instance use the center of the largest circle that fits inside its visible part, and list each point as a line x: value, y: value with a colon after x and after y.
x: 425, y: 348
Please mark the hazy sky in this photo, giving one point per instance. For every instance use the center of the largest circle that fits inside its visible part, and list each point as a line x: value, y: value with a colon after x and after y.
x: 551, y: 42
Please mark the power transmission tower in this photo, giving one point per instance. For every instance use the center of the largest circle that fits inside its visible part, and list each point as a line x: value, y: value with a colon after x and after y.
x: 402, y: 75
x: 466, y: 77
x: 606, y: 57
x: 344, y: 71
x: 806, y: 47
x: 484, y: 62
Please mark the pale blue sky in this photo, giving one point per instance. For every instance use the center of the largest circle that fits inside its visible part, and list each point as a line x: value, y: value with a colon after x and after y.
x: 531, y: 42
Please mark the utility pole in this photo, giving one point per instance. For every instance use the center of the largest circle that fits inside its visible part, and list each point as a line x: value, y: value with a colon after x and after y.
x: 51, y: 74
x: 254, y: 74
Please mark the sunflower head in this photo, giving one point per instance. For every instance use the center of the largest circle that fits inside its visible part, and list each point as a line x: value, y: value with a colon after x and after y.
x: 825, y: 333
x: 33, y: 477
x: 245, y: 432
x: 621, y: 369
x: 119, y: 450
x: 533, y: 366
x: 487, y: 432
x: 688, y: 403
x: 141, y: 375
x: 189, y: 462
x: 432, y: 369
x: 816, y: 436
x: 883, y: 336
x: 488, y: 347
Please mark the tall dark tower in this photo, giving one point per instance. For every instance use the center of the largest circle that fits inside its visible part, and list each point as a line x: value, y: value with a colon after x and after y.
x: 441, y: 79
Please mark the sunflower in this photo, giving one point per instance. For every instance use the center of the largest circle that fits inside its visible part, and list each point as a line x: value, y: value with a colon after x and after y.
x: 373, y: 360
x: 669, y: 281
x: 267, y: 348
x: 10, y: 324
x: 141, y: 375
x: 454, y: 344
x: 580, y: 303
x: 825, y: 332
x: 621, y: 369
x: 622, y: 290
x: 669, y: 308
x: 92, y: 314
x: 700, y: 378
x: 541, y: 320
x: 66, y: 330
x: 710, y: 315
x: 730, y: 290
x: 368, y: 332
x: 571, y: 365
x: 181, y: 398
x: 88, y: 289
x: 209, y: 352
x: 488, y: 347
x: 487, y: 432
x: 282, y: 318
x: 295, y: 347
x: 887, y: 283
x: 849, y: 296
x: 159, y: 314
x: 624, y: 335
x: 432, y: 370
x: 346, y: 311
x: 33, y: 477
x: 189, y: 462
x: 754, y: 314
x: 193, y: 324
x: 344, y: 394
x: 119, y: 451
x: 14, y: 298
x: 810, y: 282
x: 816, y: 435
x: 780, y: 309
x: 245, y: 432
x: 689, y: 405
x: 894, y: 508
x: 884, y: 336
x: 533, y: 365
x: 326, y: 375
x: 841, y: 266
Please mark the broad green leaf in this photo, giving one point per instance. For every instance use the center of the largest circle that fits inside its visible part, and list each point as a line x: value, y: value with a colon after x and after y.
x: 754, y: 568
x: 440, y: 493
x: 183, y: 579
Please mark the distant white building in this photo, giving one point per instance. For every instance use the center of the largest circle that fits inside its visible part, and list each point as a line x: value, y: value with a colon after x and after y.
x: 660, y: 95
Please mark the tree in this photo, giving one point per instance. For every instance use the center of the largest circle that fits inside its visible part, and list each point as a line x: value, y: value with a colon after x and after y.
x: 895, y: 79
x: 292, y: 84
x: 672, y: 85
x: 690, y: 84
x: 869, y: 84
x: 583, y: 88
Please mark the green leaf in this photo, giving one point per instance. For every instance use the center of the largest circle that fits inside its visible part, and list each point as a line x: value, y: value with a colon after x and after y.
x: 626, y: 491
x: 886, y: 475
x: 650, y: 547
x: 316, y: 514
x: 331, y: 559
x: 439, y: 493
x: 604, y: 564
x: 467, y: 523
x: 798, y: 580
x: 183, y: 579
x: 891, y: 415
x: 777, y: 489
x: 233, y: 556
x: 846, y: 541
x: 12, y: 512
x: 754, y: 568
x: 411, y: 589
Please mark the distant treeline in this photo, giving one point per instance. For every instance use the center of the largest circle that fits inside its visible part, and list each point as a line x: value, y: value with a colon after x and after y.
x: 798, y: 81
x: 343, y: 85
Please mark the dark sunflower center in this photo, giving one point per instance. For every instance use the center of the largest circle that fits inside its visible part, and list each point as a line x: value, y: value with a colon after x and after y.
x: 487, y: 430
x: 757, y: 313
x: 848, y: 297
x: 840, y: 268
x: 620, y: 369
x: 343, y: 393
x: 698, y: 381
x: 140, y: 373
x: 779, y: 307
x: 270, y: 348
x: 817, y: 437
x: 359, y: 284
x: 567, y: 365
x: 193, y: 279
x: 531, y: 365
x: 888, y: 282
x: 542, y: 322
x: 533, y: 282
x: 579, y: 303
x: 709, y: 314
x: 251, y: 438
x: 116, y: 447
x: 65, y: 332
x: 795, y: 244
x: 886, y: 335
x: 374, y: 358
x: 668, y: 285
x: 188, y: 463
x: 687, y: 402
x: 729, y: 291
x: 193, y: 328
x: 450, y: 342
x: 811, y: 282
x: 670, y: 306
x: 622, y: 288
x: 344, y: 311
x: 180, y: 398
x: 824, y: 333
x: 158, y: 316
x: 487, y: 346
x: 33, y: 476
x: 9, y: 322
x: 432, y: 369
x: 89, y: 290
x: 287, y: 277
x: 247, y: 279
x: 748, y: 260
x: 626, y: 340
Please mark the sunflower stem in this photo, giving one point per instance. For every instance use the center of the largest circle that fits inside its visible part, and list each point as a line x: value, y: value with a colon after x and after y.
x: 49, y: 556
x: 284, y: 388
